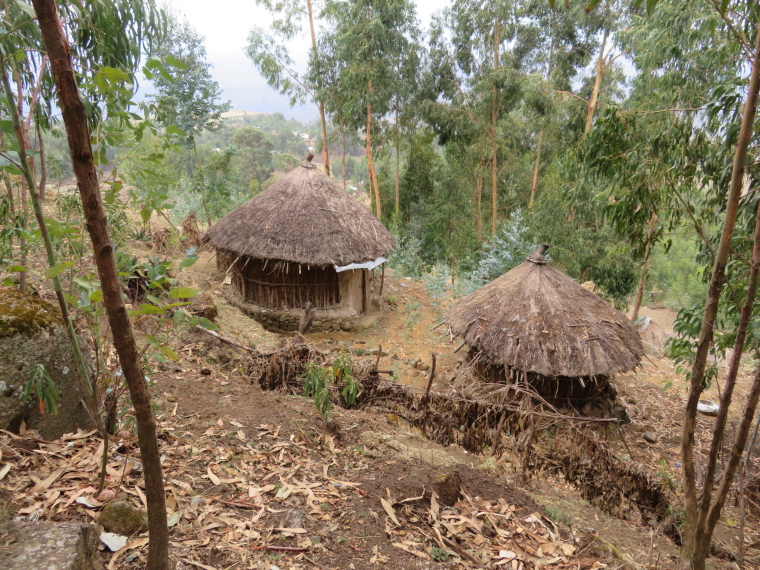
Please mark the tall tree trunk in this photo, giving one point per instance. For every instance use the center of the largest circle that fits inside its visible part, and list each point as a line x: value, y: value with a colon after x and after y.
x: 9, y: 189
x: 320, y: 104
x: 343, y: 153
x: 534, y: 183
x: 398, y: 165
x: 597, y: 83
x: 710, y: 508
x: 43, y: 163
x: 370, y: 164
x: 693, y: 549
x: 479, y: 200
x: 75, y: 119
x: 494, y: 120
x: 644, y: 269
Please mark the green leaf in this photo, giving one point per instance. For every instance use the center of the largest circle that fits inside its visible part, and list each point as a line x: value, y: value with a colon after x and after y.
x: 147, y: 309
x: 169, y: 353
x: 57, y: 269
x: 723, y: 7
x: 6, y: 126
x: 205, y: 323
x: 114, y: 75
x: 10, y: 168
x: 190, y: 259
x: 651, y: 5
x: 16, y: 269
x: 174, y: 130
x: 155, y: 300
x: 183, y: 293
x: 174, y: 62
x: 26, y: 8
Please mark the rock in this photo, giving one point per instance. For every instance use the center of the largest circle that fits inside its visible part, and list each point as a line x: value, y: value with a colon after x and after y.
x: 31, y: 334
x: 422, y: 365
x: 50, y: 546
x: 203, y: 305
x: 374, y: 351
x: 122, y: 518
x: 394, y: 356
x: 708, y: 408
x: 651, y: 437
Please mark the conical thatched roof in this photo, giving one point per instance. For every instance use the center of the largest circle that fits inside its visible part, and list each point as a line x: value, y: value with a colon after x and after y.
x: 304, y: 218
x: 534, y: 318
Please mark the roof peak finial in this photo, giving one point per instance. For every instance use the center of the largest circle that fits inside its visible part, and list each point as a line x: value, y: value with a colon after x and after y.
x: 307, y: 162
x: 537, y: 256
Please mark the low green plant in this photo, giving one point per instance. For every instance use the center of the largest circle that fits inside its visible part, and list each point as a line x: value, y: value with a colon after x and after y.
x: 316, y: 386
x: 43, y: 386
x: 559, y: 515
x: 439, y: 554
x: 343, y: 372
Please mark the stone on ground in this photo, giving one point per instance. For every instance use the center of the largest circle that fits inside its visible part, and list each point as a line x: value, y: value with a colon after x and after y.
x: 120, y: 517
x: 50, y: 546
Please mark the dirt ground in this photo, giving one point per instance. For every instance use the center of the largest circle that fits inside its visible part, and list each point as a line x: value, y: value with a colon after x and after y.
x: 258, y: 479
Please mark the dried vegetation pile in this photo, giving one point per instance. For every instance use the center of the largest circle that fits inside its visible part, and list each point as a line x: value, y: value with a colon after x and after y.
x: 546, y: 439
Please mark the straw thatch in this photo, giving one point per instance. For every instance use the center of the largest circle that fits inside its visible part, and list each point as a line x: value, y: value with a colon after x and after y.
x: 303, y: 218
x: 535, y: 319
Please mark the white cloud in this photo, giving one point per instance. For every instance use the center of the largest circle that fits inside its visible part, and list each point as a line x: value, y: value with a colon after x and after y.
x: 225, y: 25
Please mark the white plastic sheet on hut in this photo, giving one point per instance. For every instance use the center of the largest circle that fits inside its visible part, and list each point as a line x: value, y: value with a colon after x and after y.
x: 365, y: 265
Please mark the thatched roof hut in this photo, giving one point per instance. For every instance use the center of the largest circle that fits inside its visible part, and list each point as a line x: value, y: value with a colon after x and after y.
x: 537, y: 322
x: 303, y: 239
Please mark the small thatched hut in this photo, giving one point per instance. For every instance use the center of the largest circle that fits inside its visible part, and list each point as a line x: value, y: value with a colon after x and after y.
x: 303, y: 240
x: 535, y: 325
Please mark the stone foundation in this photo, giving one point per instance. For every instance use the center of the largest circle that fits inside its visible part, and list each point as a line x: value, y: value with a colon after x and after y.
x: 287, y: 320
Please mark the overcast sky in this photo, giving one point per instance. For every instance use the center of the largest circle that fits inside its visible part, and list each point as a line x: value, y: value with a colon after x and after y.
x: 225, y: 25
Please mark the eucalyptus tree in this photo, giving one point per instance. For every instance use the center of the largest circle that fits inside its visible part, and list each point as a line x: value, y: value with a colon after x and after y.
x: 367, y: 43
x: 107, y: 41
x: 267, y: 51
x: 479, y: 31
x: 555, y: 45
x: 692, y: 85
x: 191, y: 100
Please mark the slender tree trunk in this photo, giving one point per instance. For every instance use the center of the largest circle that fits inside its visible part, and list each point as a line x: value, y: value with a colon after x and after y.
x: 370, y: 164
x: 707, y: 506
x: 320, y: 104
x: 600, y: 65
x: 644, y: 269
x: 534, y: 184
x: 75, y: 119
x: 398, y: 166
x: 9, y: 189
x: 43, y: 163
x: 479, y: 200
x: 494, y: 120
x: 693, y: 549
x: 23, y: 183
x: 343, y: 152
